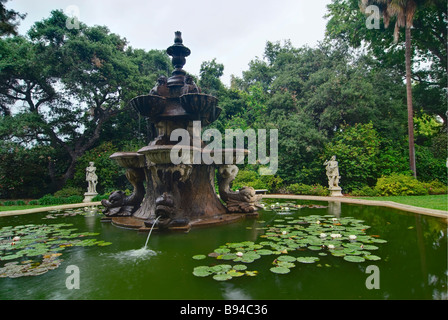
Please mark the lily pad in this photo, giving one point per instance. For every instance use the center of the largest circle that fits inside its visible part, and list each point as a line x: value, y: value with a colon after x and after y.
x: 239, y: 267
x: 199, y: 257
x: 280, y: 270
x: 202, y: 271
x: 235, y: 273
x: 286, y: 258
x: 285, y: 264
x: 307, y: 259
x: 372, y: 257
x: 222, y: 277
x: 351, y: 258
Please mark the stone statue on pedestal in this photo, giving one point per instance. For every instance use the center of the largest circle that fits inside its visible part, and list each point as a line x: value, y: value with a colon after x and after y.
x: 332, y: 168
x: 92, y: 181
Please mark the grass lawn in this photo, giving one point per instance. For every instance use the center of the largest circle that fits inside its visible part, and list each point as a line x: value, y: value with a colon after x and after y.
x: 438, y: 202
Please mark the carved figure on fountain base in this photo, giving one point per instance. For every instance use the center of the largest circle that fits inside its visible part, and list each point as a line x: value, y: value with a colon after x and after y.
x: 244, y: 200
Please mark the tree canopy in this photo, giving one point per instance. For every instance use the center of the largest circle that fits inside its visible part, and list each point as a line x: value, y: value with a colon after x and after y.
x: 64, y: 97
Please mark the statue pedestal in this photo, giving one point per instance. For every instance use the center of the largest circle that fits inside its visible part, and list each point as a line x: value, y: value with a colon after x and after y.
x: 88, y: 196
x: 335, y: 192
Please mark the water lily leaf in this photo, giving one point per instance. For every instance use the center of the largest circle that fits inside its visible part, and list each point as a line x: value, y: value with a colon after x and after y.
x: 202, y: 271
x: 251, y: 273
x: 235, y: 273
x: 239, y: 267
x: 286, y: 258
x: 280, y: 270
x: 264, y: 252
x: 285, y: 264
x: 370, y: 247
x: 372, y: 257
x: 228, y: 256
x: 338, y: 253
x: 354, y: 258
x: 222, y: 277
x: 307, y: 259
x: 199, y: 257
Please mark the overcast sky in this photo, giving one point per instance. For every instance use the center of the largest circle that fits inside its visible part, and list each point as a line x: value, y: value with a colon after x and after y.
x: 232, y: 31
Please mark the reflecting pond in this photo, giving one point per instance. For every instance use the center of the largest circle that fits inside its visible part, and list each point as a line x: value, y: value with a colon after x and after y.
x: 367, y: 253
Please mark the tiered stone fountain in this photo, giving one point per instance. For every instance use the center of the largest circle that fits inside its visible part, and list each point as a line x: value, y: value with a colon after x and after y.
x: 180, y: 196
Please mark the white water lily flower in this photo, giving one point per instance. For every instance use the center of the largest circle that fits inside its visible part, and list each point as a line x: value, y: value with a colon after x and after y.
x: 352, y: 237
x: 318, y: 222
x: 330, y: 246
x: 323, y: 235
x: 334, y: 219
x: 239, y: 254
x: 287, y: 208
x: 16, y: 238
x: 284, y: 232
x: 336, y: 235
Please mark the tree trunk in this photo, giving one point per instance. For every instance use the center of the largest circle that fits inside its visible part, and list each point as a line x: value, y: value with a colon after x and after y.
x: 409, y: 102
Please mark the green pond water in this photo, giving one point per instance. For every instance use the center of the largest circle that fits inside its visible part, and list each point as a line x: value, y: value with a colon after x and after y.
x: 412, y: 265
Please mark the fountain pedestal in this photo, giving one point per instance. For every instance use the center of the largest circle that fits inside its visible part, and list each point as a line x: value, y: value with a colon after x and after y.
x: 179, y: 195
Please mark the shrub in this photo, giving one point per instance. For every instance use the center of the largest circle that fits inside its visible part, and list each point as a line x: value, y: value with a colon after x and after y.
x: 9, y: 203
x: 34, y: 202
x: 52, y: 200
x: 365, y: 191
x: 68, y: 192
x: 400, y: 185
x: 249, y: 178
x: 100, y: 197
x: 303, y: 189
x: 74, y: 199
x: 436, y: 187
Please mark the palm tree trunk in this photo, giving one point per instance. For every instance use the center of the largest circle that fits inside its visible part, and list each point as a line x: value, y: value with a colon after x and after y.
x: 409, y: 102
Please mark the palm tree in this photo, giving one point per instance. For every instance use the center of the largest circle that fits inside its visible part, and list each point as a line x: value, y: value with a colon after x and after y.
x: 404, y: 11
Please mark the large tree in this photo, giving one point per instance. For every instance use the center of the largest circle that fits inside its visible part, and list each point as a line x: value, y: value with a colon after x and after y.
x: 426, y: 18
x: 61, y: 86
x: 9, y: 20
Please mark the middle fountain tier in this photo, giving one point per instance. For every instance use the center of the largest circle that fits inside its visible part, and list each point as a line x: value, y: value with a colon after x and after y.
x: 172, y: 184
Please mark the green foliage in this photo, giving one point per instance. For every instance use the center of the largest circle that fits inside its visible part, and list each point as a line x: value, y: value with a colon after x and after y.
x: 9, y: 203
x: 428, y: 166
x: 68, y: 192
x: 303, y: 189
x: 356, y: 149
x: 110, y: 175
x: 52, y: 200
x: 250, y: 178
x: 436, y: 187
x: 365, y: 191
x: 400, y: 185
x: 23, y: 172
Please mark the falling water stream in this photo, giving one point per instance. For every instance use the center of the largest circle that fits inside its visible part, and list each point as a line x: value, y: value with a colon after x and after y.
x: 138, y: 254
x: 150, y: 231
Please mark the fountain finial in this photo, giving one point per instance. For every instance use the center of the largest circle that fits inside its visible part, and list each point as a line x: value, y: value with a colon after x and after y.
x: 178, y: 37
x: 178, y: 52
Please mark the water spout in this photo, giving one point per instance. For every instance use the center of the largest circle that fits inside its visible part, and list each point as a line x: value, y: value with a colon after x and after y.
x: 150, y: 231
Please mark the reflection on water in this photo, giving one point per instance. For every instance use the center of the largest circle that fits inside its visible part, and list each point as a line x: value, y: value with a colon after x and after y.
x: 334, y: 208
x: 232, y: 293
